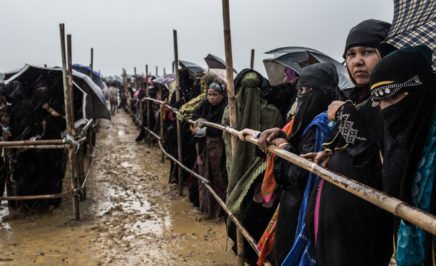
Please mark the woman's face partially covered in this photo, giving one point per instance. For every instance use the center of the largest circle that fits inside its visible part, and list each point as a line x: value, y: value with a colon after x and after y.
x: 360, y: 62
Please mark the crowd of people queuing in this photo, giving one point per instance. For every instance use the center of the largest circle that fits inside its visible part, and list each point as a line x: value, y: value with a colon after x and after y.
x: 381, y: 133
x: 31, y: 111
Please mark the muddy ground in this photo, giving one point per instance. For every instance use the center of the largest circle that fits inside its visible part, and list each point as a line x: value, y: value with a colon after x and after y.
x: 132, y: 216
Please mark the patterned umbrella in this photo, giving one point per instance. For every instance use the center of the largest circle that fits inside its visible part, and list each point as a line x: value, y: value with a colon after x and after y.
x: 414, y: 23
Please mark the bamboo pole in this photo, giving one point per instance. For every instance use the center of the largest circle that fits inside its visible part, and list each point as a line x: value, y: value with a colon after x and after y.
x: 252, y: 59
x: 136, y: 78
x: 69, y: 114
x: 91, y: 65
x: 146, y: 70
x: 206, y: 183
x: 161, y: 124
x: 179, y: 139
x: 391, y: 204
x: 232, y: 106
x: 68, y: 82
x: 37, y: 197
x: 157, y: 71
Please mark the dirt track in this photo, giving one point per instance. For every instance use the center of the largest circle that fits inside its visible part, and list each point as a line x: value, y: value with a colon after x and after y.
x: 132, y: 216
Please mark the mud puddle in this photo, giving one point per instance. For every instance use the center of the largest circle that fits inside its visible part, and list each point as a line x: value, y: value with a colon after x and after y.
x: 132, y: 216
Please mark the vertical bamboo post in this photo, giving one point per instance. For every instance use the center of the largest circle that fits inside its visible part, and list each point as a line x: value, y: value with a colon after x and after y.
x: 157, y: 71
x: 252, y: 59
x: 232, y: 105
x: 179, y: 140
x: 162, y: 107
x: 67, y: 83
x: 91, y: 65
x: 146, y: 70
x: 70, y: 121
x: 148, y: 105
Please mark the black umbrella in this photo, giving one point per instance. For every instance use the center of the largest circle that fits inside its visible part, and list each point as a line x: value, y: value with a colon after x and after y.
x: 296, y: 58
x: 83, y: 86
x: 194, y: 69
x: 214, y: 61
x: 414, y: 23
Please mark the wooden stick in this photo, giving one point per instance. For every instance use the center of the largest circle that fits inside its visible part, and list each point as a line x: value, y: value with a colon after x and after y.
x: 179, y: 139
x: 391, y: 204
x: 161, y: 123
x: 136, y: 78
x: 38, y: 197
x: 252, y: 59
x: 69, y: 115
x: 146, y: 70
x: 232, y: 106
x: 157, y: 71
x: 91, y: 65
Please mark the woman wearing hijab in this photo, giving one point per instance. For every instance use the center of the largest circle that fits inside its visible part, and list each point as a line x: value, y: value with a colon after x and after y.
x: 316, y: 90
x: 245, y: 169
x: 348, y: 230
x: 404, y: 85
x: 211, y: 160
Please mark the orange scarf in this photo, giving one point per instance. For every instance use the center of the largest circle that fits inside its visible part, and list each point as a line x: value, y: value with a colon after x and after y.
x: 269, y: 183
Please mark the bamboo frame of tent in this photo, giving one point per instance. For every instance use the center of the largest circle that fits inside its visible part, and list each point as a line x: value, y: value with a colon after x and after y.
x: 179, y: 139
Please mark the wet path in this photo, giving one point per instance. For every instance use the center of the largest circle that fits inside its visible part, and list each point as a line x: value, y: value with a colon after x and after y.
x: 132, y: 216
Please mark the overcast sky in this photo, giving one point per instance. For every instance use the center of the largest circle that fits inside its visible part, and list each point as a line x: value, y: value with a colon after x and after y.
x: 129, y: 33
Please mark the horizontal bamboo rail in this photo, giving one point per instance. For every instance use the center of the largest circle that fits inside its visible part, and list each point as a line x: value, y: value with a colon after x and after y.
x: 206, y: 182
x: 391, y: 204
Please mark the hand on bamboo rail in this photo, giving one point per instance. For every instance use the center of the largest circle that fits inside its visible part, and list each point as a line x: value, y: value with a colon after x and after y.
x: 321, y: 157
x: 247, y: 132
x: 268, y: 136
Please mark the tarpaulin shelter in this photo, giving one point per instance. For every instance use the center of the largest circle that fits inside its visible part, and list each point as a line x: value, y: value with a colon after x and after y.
x: 87, y: 94
x: 296, y: 58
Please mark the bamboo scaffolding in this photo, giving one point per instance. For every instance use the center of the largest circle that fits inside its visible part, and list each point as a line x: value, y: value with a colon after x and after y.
x: 179, y: 139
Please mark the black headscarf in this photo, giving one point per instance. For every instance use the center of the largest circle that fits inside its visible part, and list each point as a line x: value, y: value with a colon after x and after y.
x: 369, y: 33
x: 406, y: 122
x: 323, y: 79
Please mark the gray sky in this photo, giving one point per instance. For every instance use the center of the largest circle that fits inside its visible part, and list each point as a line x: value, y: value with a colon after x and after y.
x: 129, y: 33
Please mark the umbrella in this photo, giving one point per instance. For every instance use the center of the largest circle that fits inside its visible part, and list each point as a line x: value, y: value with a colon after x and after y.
x: 213, y: 61
x: 194, y: 69
x: 87, y: 71
x: 217, y: 66
x: 165, y: 79
x: 414, y: 23
x: 92, y: 100
x: 296, y: 58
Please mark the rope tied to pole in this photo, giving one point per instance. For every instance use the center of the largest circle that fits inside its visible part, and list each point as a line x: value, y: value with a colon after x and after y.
x: 68, y: 139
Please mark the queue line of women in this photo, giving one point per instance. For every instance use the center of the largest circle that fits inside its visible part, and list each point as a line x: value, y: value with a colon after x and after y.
x: 381, y: 133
